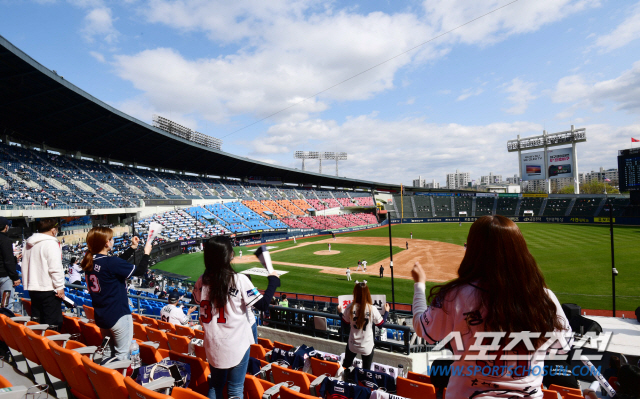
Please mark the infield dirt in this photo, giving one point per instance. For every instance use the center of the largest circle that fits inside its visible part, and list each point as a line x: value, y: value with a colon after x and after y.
x: 439, y: 260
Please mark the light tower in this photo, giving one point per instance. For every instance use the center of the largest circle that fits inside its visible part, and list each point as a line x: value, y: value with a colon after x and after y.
x: 307, y: 155
x: 337, y: 156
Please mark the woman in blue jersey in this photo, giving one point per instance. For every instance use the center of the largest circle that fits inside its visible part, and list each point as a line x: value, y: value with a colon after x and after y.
x: 106, y: 280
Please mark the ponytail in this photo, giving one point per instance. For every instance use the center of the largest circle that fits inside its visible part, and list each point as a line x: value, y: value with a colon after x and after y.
x: 97, y: 238
x: 361, y: 297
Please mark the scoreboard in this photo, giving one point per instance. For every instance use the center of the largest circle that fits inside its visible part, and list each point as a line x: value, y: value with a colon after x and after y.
x: 629, y: 169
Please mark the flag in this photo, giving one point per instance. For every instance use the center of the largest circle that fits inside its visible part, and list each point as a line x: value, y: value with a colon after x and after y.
x: 634, y: 140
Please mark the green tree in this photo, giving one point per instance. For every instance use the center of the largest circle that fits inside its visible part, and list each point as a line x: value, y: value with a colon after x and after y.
x: 596, y: 187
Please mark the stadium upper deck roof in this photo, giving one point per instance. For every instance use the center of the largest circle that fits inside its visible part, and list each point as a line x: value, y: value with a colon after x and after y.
x: 39, y: 106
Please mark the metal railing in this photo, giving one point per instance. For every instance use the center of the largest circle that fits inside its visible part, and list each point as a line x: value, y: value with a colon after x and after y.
x: 301, y: 321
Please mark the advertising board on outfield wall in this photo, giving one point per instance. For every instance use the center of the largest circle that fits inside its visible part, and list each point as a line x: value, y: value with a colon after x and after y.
x: 526, y: 219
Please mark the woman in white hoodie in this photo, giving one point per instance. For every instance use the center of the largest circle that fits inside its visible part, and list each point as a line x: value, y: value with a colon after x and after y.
x: 43, y: 274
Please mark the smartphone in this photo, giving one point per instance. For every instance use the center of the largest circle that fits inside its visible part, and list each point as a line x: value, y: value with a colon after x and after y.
x: 105, y: 342
x: 175, y: 373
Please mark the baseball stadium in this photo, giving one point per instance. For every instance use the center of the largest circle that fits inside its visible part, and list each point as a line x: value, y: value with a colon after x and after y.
x: 62, y: 158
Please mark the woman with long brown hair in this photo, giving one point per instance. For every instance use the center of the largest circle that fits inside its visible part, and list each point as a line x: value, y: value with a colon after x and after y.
x: 499, y: 289
x: 106, y: 280
x: 226, y: 298
x: 361, y: 315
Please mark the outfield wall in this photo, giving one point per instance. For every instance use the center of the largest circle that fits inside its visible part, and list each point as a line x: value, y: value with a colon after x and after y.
x: 525, y: 219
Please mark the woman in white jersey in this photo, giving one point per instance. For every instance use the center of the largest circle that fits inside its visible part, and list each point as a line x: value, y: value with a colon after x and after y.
x: 226, y: 299
x: 75, y: 272
x: 501, y: 291
x: 361, y: 315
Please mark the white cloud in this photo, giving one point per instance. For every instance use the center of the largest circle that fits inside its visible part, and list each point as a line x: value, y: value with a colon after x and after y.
x: 520, y: 95
x: 396, y: 151
x: 98, y: 56
x: 469, y: 93
x: 623, y: 34
x: 99, y: 23
x: 520, y: 17
x: 624, y: 91
x: 285, y: 50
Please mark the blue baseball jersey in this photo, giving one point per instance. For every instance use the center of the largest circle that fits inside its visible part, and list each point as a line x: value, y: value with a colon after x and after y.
x: 108, y: 289
x: 374, y: 380
x: 336, y: 389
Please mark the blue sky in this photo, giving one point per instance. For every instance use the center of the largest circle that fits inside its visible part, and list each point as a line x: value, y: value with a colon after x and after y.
x: 450, y: 104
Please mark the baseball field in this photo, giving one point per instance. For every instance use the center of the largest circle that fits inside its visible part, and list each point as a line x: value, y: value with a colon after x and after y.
x: 575, y: 260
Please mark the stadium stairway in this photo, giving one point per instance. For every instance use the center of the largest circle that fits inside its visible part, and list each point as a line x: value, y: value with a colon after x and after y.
x: 518, y: 206
x: 453, y: 206
x: 570, y: 207
x: 473, y: 206
x: 413, y: 206
x: 543, y: 206
x: 495, y: 205
x: 433, y: 207
x: 602, y: 204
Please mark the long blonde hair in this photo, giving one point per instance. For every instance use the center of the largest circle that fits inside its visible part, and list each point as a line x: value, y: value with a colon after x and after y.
x: 97, y: 238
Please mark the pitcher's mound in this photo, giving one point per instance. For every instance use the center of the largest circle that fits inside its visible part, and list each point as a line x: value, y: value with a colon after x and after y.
x: 326, y: 252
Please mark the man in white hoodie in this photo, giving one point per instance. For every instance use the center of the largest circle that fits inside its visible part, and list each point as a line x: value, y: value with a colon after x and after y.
x: 43, y: 274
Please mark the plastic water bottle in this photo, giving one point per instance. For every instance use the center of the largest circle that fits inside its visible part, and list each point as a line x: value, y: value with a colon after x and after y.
x: 400, y: 370
x: 134, y: 355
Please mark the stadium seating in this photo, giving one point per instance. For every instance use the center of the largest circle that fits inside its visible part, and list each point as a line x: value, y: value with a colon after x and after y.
x: 619, y: 207
x: 585, y: 206
x: 530, y: 204
x: 462, y: 204
x: 557, y: 206
x: 423, y: 206
x: 442, y: 206
x: 484, y: 206
x: 108, y: 383
x: 507, y: 206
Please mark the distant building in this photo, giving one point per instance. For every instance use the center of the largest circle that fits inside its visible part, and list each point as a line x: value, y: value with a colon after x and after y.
x: 458, y: 180
x: 419, y: 182
x: 491, y: 179
x: 513, y: 180
x: 602, y: 175
x: 433, y: 184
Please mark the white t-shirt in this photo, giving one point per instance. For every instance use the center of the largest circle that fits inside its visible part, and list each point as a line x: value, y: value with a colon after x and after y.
x: 75, y: 273
x: 174, y: 315
x: 361, y: 340
x: 364, y: 263
x: 458, y: 312
x: 227, y: 333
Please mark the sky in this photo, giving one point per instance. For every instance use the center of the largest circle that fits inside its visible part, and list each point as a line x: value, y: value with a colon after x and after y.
x: 406, y: 88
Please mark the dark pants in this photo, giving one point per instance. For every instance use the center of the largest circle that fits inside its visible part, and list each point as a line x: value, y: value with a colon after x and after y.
x: 381, y: 272
x: 349, y: 356
x: 46, y: 308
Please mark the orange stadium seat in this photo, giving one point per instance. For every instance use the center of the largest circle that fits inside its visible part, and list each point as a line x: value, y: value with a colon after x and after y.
x: 108, y: 383
x: 151, y: 355
x: 4, y: 383
x: 136, y: 318
x: 277, y: 209
x: 88, y: 312
x: 199, y: 371
x: 91, y: 334
x: 185, y: 331
x: 414, y: 390
x: 425, y: 379
x: 288, y: 393
x: 254, y: 387
x: 266, y: 343
x: 26, y: 305
x: 74, y: 372
x: 163, y: 325
x: 138, y: 391
x: 200, y: 352
x: 299, y: 378
x: 547, y: 394
x: 322, y: 367
x: 563, y: 391
x: 71, y: 325
x: 159, y: 337
x: 283, y: 346
x: 149, y: 321
x: 178, y: 343
x: 257, y: 351
x: 139, y: 331
x: 40, y: 345
x: 182, y: 393
x: 199, y: 334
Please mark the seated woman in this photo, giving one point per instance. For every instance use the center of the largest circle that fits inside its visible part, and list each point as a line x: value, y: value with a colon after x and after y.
x: 499, y: 291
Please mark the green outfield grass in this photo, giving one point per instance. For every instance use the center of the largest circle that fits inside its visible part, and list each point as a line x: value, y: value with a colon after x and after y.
x: 575, y: 260
x: 348, y: 256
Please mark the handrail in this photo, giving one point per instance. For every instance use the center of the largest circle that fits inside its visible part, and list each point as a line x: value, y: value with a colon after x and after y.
x: 291, y: 314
